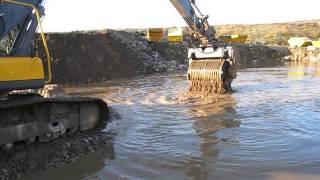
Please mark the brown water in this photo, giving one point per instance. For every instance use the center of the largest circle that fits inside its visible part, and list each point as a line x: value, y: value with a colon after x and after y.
x: 268, y: 129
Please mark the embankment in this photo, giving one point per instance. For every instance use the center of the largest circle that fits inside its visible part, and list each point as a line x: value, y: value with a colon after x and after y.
x: 303, y: 54
x: 86, y: 57
x: 273, y: 34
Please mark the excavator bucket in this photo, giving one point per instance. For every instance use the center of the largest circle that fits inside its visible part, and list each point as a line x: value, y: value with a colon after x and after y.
x: 213, y: 72
x: 206, y: 76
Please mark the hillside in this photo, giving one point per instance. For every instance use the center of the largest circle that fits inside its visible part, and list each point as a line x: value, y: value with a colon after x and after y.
x: 274, y: 34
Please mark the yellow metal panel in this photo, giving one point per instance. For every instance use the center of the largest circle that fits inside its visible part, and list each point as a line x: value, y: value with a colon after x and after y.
x: 296, y: 73
x: 178, y: 39
x: 155, y: 34
x: 226, y: 39
x: 175, y: 35
x: 236, y: 38
x: 20, y: 68
x: 316, y: 43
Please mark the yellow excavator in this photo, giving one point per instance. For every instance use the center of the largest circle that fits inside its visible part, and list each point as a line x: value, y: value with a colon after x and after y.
x: 28, y: 117
x: 25, y: 116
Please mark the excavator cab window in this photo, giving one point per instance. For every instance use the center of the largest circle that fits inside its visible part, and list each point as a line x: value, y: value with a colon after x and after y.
x: 7, y: 42
x: 2, y: 25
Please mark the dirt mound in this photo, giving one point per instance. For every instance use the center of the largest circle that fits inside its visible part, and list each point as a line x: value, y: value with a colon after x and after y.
x: 99, y: 56
x: 253, y: 56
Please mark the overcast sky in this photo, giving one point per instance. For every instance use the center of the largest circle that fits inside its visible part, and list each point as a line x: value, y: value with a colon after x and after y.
x: 70, y: 15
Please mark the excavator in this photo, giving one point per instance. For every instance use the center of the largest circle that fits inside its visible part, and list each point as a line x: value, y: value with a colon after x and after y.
x: 29, y: 117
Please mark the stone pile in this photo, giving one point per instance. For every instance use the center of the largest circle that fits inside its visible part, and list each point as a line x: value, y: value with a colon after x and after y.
x: 86, y: 57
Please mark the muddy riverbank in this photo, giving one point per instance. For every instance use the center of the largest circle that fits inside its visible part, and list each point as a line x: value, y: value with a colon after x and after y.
x: 98, y: 56
x: 27, y: 159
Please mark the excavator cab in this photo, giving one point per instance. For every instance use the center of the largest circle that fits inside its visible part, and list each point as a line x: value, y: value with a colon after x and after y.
x: 20, y: 68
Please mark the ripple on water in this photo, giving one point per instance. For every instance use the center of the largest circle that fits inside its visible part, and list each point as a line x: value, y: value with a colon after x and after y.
x: 269, y: 126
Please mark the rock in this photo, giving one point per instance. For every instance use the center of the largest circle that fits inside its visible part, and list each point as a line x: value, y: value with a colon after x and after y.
x: 173, y: 62
x: 3, y: 177
x: 170, y: 70
x: 39, y: 156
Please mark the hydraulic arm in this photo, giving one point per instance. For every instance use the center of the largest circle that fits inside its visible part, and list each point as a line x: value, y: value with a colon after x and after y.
x: 197, y: 22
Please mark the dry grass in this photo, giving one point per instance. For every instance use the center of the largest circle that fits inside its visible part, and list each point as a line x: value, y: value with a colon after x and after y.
x: 273, y: 34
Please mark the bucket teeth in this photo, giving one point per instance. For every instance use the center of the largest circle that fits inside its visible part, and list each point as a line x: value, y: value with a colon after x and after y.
x: 206, y: 75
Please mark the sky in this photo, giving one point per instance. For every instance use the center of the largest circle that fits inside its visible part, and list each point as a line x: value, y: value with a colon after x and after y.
x: 71, y: 15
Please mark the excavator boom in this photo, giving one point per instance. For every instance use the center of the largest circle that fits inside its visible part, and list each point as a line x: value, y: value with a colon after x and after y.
x: 197, y: 22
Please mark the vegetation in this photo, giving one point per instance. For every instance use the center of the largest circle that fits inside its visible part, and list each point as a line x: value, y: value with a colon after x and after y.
x: 273, y: 34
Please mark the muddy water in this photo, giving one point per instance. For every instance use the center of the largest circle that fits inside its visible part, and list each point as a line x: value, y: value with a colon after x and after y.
x: 268, y: 129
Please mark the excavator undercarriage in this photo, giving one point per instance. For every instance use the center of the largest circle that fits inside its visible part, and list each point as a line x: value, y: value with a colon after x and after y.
x: 30, y: 117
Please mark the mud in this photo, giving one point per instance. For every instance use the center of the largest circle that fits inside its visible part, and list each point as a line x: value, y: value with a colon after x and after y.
x: 26, y: 159
x: 206, y: 88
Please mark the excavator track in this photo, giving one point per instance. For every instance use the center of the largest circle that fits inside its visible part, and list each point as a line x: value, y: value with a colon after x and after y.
x: 33, y: 117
